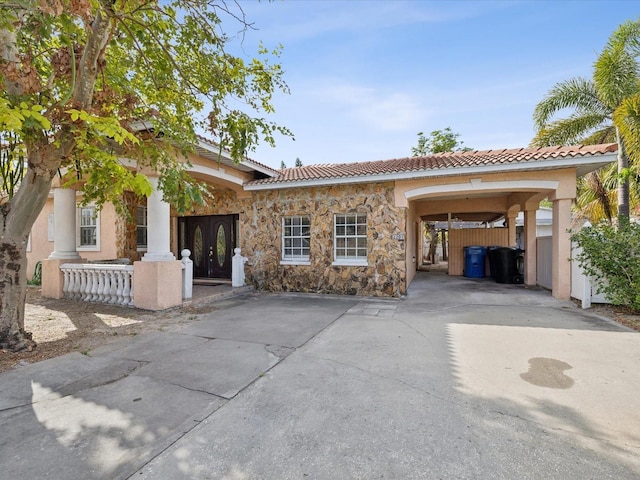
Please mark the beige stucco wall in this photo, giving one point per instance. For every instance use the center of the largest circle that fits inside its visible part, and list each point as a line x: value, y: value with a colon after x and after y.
x: 41, y: 247
x: 413, y: 239
x: 516, y: 181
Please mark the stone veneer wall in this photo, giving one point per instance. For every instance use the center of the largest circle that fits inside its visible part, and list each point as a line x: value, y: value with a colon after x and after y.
x: 260, y: 237
x: 127, y: 232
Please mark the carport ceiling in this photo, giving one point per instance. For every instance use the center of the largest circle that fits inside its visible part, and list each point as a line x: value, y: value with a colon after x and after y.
x: 484, y: 217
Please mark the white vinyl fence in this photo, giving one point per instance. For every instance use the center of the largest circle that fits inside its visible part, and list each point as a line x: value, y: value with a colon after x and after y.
x: 583, y: 288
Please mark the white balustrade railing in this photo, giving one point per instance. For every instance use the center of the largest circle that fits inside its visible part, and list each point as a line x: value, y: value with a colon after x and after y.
x: 94, y: 282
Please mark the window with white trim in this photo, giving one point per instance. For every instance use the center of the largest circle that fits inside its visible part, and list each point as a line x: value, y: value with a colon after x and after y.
x: 296, y: 238
x: 88, y: 234
x: 350, y: 239
x: 141, y: 227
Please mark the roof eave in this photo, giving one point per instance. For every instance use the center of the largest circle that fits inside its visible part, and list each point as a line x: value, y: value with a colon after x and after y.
x: 217, y: 154
x: 582, y: 164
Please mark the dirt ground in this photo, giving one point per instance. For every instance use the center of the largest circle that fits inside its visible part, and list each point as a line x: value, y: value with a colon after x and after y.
x: 63, y: 326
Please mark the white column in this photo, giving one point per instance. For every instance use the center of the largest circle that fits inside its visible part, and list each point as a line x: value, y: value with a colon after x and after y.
x: 158, y: 227
x: 64, y: 218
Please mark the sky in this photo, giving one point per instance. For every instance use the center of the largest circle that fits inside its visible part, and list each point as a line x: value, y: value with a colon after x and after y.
x: 366, y: 76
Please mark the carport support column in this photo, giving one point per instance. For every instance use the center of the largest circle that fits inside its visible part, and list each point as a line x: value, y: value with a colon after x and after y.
x: 561, y: 249
x: 157, y: 279
x: 511, y: 225
x: 530, y: 248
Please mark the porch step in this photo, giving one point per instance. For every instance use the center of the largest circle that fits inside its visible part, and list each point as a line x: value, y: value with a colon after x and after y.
x: 211, y: 281
x: 208, y: 293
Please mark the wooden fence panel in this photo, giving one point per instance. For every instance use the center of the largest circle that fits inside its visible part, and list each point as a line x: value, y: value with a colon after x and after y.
x: 465, y: 237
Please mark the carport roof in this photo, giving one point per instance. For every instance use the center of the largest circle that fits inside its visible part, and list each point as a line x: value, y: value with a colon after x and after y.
x: 584, y: 158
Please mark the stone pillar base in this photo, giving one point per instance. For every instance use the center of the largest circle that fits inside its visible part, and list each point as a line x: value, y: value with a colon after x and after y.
x: 53, y: 278
x: 157, y: 285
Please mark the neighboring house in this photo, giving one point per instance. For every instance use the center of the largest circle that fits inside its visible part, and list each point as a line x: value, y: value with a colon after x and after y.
x: 544, y: 224
x: 336, y: 228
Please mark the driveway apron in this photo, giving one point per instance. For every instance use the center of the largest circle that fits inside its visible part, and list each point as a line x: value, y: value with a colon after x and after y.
x: 461, y: 379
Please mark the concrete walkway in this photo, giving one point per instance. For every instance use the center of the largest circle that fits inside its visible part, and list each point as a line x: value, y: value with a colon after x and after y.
x: 462, y: 379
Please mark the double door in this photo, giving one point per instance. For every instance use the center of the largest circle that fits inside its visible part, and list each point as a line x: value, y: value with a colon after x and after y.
x: 211, y: 240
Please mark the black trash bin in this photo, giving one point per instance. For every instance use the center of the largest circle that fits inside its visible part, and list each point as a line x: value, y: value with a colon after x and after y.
x: 508, y: 263
x: 492, y: 260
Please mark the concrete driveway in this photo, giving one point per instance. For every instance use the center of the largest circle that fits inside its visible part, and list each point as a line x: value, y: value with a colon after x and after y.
x: 461, y: 379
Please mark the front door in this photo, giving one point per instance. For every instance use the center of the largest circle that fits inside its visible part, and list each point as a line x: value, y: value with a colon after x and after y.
x: 211, y: 240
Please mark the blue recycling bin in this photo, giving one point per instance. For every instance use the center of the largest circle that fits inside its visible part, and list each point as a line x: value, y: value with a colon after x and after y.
x: 474, y: 257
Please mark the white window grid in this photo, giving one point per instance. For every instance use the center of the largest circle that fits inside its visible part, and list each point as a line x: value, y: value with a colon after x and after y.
x: 296, y: 237
x: 88, y: 231
x: 141, y: 227
x: 350, y: 237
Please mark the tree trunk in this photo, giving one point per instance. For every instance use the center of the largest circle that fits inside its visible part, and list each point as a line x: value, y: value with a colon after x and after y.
x: 434, y: 244
x: 13, y: 292
x: 17, y: 218
x: 445, y: 245
x: 623, y: 181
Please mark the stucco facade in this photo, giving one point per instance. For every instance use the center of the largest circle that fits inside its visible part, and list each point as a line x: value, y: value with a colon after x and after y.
x: 112, y: 230
x: 389, y: 200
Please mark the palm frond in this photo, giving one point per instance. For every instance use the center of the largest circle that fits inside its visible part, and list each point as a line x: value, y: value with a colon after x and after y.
x: 604, y: 135
x: 627, y: 34
x: 609, y: 176
x: 627, y: 119
x: 616, y: 76
x: 577, y: 93
x: 593, y: 197
x: 569, y: 131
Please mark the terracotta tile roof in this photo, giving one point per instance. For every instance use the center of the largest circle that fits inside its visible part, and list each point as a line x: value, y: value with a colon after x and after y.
x: 247, y: 159
x: 439, y: 161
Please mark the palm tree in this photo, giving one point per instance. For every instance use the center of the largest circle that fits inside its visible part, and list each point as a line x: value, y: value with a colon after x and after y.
x: 595, y: 200
x: 602, y: 108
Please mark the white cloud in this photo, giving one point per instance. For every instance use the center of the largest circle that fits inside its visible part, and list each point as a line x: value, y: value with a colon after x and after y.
x: 290, y: 21
x: 373, y: 107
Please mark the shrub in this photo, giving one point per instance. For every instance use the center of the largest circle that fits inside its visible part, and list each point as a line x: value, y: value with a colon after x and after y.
x: 612, y: 254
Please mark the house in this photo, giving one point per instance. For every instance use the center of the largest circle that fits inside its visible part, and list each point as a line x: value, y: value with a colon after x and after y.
x: 544, y: 223
x: 336, y: 228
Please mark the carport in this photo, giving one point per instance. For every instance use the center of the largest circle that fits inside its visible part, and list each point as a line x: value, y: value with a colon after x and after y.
x: 498, y: 184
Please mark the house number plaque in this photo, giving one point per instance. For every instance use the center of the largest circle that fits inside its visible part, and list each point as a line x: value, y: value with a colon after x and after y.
x: 397, y: 236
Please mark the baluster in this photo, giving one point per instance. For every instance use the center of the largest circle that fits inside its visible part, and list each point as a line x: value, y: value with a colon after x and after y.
x: 84, y: 281
x: 87, y: 288
x: 76, y: 284
x: 120, y: 287
x: 93, y: 275
x: 113, y: 281
x: 100, y: 286
x: 83, y: 284
x: 106, y: 287
x: 130, y: 274
x: 65, y: 285
x: 126, y: 289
